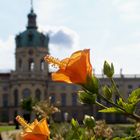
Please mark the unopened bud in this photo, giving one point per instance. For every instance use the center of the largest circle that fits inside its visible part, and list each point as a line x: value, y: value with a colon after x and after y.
x: 87, y: 97
x: 89, y: 121
x: 108, y: 69
x: 107, y: 92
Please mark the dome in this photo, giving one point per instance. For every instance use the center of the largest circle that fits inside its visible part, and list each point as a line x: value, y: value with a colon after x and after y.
x: 31, y: 37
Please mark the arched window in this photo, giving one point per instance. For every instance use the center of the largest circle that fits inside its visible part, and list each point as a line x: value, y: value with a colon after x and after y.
x: 74, y: 99
x: 31, y: 64
x: 20, y: 63
x: 63, y: 99
x: 42, y: 65
x: 26, y: 93
x: 5, y: 100
x: 30, y: 37
x: 15, y: 97
x: 52, y: 98
x: 38, y: 95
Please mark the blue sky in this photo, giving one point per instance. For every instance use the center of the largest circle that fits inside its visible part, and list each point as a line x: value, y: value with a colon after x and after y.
x: 110, y: 28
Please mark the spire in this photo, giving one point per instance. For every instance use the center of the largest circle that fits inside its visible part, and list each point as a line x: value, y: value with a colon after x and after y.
x: 32, y: 18
x: 32, y: 9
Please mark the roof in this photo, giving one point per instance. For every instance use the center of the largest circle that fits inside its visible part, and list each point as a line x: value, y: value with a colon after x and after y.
x: 31, y: 37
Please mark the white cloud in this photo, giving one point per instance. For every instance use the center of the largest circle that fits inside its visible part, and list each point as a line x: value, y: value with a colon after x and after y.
x: 64, y: 37
x: 7, y: 49
x: 128, y: 10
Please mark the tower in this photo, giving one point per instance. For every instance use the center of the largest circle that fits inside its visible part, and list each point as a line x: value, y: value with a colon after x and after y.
x: 31, y: 72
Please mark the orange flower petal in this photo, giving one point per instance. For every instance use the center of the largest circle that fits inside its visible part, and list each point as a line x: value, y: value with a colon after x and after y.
x: 31, y: 136
x: 61, y: 77
x: 41, y: 128
x: 74, y: 69
x: 34, y: 131
x: 77, y: 69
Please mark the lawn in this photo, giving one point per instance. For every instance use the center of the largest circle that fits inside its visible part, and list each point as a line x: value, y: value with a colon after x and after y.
x: 7, y: 128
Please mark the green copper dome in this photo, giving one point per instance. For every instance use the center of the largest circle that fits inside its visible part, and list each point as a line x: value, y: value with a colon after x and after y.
x: 31, y: 37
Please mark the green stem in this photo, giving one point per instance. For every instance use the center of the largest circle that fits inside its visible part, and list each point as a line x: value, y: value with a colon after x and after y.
x: 109, y: 101
x: 101, y: 105
x: 134, y: 116
x: 117, y: 91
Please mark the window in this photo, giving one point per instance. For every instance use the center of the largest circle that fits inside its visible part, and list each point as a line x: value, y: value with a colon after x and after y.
x: 31, y: 65
x: 30, y: 37
x: 74, y: 99
x: 20, y: 63
x: 130, y: 86
x: 5, y: 100
x: 15, y: 97
x: 52, y: 98
x: 38, y: 94
x: 26, y: 93
x: 42, y: 65
x: 63, y: 99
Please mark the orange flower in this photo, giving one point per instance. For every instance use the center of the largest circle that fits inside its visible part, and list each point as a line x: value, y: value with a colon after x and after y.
x: 72, y: 70
x: 35, y: 131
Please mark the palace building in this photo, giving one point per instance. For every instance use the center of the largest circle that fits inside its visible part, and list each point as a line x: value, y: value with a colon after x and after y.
x: 31, y: 78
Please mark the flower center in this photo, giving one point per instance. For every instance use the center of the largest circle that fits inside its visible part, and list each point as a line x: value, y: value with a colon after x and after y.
x: 54, y: 61
x: 23, y: 122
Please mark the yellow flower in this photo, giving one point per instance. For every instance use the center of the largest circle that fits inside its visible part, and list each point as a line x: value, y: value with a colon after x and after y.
x: 35, y: 131
x: 75, y: 69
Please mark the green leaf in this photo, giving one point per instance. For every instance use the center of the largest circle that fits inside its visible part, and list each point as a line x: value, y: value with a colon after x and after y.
x: 87, y: 97
x: 111, y: 110
x: 107, y: 92
x: 134, y: 97
x: 128, y: 107
x: 74, y: 123
x: 120, y: 102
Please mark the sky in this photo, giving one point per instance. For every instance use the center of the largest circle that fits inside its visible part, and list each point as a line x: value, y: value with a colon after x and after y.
x: 109, y: 28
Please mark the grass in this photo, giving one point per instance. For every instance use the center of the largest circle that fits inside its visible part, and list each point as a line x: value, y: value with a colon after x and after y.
x: 7, y: 128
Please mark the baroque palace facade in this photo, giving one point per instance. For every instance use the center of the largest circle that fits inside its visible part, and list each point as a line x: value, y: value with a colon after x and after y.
x: 31, y: 78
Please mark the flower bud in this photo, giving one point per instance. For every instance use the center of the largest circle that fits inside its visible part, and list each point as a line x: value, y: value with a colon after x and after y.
x: 89, y: 121
x: 87, y: 97
x: 108, y: 69
x: 91, y: 84
x: 107, y: 92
